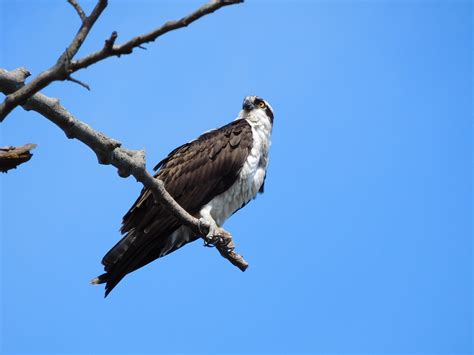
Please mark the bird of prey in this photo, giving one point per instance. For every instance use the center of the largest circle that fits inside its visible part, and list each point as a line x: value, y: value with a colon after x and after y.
x: 211, y: 177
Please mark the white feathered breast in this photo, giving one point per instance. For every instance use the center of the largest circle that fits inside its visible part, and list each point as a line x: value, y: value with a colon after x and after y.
x: 251, y: 176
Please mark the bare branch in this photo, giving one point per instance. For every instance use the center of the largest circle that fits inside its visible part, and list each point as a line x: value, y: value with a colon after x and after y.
x: 81, y: 35
x: 127, y: 47
x: 127, y: 162
x: 60, y: 71
x: 65, y: 66
x: 78, y: 9
x: 11, y: 157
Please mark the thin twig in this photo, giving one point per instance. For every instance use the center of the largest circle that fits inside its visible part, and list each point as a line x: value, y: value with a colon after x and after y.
x: 78, y: 9
x: 83, y: 84
x: 127, y: 162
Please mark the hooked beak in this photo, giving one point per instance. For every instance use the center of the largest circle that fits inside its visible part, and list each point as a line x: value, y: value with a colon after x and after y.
x: 248, y: 105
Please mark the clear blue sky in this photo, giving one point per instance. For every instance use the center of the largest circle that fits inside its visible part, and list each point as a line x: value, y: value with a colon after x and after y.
x: 362, y: 241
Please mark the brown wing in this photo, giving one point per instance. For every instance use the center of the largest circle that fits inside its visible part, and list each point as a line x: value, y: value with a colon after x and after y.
x: 193, y: 174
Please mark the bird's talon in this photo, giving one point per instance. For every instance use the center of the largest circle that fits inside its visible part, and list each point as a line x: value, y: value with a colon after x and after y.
x: 208, y: 243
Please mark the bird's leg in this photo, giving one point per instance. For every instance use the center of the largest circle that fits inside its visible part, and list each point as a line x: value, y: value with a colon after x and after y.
x: 216, y: 236
x: 210, y: 238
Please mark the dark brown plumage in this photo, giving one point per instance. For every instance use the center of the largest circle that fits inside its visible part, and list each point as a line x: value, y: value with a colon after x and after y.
x: 193, y: 174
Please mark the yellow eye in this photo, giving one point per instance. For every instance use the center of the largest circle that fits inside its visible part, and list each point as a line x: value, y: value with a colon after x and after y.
x: 261, y: 104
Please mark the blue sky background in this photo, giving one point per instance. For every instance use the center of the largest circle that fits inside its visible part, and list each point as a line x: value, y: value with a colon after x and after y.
x: 362, y: 241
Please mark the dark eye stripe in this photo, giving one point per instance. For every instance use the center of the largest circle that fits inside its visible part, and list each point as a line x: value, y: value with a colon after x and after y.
x: 269, y: 113
x: 267, y: 109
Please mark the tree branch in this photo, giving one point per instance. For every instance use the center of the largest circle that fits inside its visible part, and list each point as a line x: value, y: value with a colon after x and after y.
x: 110, y: 49
x: 11, y: 157
x: 65, y: 66
x: 127, y: 162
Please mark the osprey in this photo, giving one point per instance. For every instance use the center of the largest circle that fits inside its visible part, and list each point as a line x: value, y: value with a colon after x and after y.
x: 211, y: 177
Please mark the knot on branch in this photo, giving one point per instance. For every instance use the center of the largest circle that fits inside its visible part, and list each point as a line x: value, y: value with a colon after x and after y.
x: 129, y: 162
x: 104, y: 154
x: 13, y: 80
x: 22, y: 73
x: 110, y: 143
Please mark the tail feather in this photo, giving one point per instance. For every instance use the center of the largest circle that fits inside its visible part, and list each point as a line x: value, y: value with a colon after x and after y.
x: 130, y: 255
x: 100, y: 279
x: 119, y: 249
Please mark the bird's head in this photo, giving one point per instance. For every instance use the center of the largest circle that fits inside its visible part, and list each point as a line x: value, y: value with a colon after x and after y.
x: 256, y: 109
